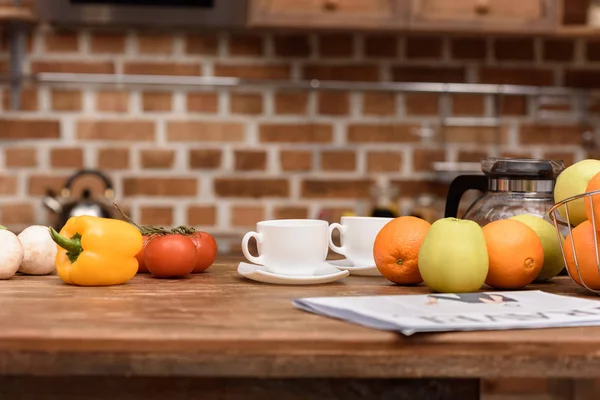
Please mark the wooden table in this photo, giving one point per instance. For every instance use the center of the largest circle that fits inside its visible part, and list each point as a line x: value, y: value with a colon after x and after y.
x: 218, y: 335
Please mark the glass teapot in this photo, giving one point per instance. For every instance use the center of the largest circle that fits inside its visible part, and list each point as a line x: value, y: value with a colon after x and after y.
x: 511, y: 186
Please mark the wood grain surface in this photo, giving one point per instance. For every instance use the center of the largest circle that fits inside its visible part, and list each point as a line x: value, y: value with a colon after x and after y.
x: 218, y: 324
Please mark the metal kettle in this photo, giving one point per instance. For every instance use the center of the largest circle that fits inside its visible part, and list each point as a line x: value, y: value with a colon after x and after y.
x: 66, y: 207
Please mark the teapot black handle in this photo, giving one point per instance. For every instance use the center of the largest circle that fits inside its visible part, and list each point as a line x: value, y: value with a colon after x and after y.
x: 458, y: 187
x: 108, y: 187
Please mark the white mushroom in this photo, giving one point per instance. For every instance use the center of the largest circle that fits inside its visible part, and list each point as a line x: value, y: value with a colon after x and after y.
x: 40, y: 251
x: 11, y: 254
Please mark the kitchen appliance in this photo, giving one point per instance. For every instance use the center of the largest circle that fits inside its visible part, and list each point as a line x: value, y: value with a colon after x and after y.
x: 510, y: 186
x: 66, y: 207
x: 152, y: 13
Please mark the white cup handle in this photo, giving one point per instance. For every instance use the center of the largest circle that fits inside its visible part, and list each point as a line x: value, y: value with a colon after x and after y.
x: 338, y: 249
x: 250, y: 257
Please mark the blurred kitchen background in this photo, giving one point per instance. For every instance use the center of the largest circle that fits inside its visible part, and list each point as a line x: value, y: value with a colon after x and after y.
x: 221, y: 113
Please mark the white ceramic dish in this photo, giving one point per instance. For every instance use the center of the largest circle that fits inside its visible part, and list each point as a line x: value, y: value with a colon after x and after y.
x: 345, y: 265
x: 323, y: 274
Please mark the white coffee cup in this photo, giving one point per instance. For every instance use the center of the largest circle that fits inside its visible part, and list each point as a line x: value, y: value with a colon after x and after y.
x: 289, y: 246
x: 357, y: 237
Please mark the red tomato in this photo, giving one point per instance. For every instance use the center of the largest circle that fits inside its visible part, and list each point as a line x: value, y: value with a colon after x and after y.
x: 170, y: 256
x: 206, y: 250
x: 140, y: 257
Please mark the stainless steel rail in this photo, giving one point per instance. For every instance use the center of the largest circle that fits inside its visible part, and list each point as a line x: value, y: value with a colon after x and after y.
x: 312, y: 84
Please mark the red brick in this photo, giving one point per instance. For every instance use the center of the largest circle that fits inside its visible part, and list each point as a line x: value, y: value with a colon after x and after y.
x: 246, y: 216
x: 591, y: 50
x: 421, y: 103
x: 474, y: 134
x: 558, y: 50
x: 567, y: 157
x: 20, y: 157
x: 409, y: 189
x: 375, y: 103
x: 427, y: 73
x: 17, y: 213
x: 78, y: 67
x: 205, y: 44
x: 516, y: 76
x: 384, y: 133
x: 246, y: 103
x: 202, y: 215
x: 156, y: 215
x: 513, y: 105
x: 334, y: 103
x: 8, y: 184
x: 246, y: 45
x: 515, y: 49
x: 582, y: 78
x: 467, y: 48
x: 346, y: 72
x: 251, y: 187
x: 424, y: 47
x: 107, y: 42
x: 338, y: 160
x: 384, y: 161
x: 290, y: 212
x: 423, y: 159
x: 38, y: 184
x: 115, y: 130
x: 66, y: 158
x: 112, y: 101
x: 156, y: 101
x: 468, y: 104
x: 19, y: 129
x: 250, y: 160
x: 113, y: 158
x: 155, y: 43
x: 381, y: 46
x: 471, y: 156
x: 336, y: 45
x: 157, y: 158
x: 336, y: 188
x: 266, y: 71
x: 205, y: 158
x: 287, y: 45
x: 291, y: 103
x: 205, y: 131
x: 28, y: 101
x: 161, y: 68
x: 66, y: 100
x: 61, y: 42
x: 296, y: 133
x: 172, y: 187
x: 203, y: 102
x: 550, y: 134
x: 296, y: 160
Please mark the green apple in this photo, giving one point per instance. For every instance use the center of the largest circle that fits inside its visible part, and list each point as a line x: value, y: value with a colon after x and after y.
x: 553, y: 259
x: 453, y: 257
x: 572, y: 182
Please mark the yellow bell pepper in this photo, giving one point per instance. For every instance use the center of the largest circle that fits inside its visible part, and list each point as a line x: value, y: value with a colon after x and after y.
x: 94, y: 251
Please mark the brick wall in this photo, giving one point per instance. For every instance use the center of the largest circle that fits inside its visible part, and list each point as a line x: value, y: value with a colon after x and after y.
x: 221, y: 159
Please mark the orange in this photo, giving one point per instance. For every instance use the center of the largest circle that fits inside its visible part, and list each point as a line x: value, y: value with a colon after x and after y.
x: 585, y: 250
x: 515, y: 252
x: 396, y: 249
x: 593, y: 185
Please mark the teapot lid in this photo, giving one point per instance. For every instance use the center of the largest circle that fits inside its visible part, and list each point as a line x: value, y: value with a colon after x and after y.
x: 522, y: 168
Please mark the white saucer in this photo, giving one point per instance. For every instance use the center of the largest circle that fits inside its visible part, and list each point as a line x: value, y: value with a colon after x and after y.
x: 324, y: 274
x: 346, y: 265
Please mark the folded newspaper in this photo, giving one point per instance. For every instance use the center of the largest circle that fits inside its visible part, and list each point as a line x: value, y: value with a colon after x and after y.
x: 437, y: 312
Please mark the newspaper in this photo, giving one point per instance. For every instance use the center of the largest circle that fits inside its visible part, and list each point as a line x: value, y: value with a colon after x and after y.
x: 438, y: 312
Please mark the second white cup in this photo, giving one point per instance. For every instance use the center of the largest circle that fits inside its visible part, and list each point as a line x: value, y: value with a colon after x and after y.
x: 357, y: 237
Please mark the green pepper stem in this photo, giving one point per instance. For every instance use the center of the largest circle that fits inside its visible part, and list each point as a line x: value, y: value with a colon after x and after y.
x: 72, y: 245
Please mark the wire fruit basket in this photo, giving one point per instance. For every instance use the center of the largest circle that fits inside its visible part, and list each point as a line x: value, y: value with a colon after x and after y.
x: 563, y: 226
